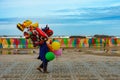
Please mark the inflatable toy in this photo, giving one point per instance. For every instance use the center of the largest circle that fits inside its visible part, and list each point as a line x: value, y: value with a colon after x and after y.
x: 58, y: 52
x: 49, y: 56
x: 48, y: 31
x: 33, y: 32
x: 25, y: 24
x: 56, y: 45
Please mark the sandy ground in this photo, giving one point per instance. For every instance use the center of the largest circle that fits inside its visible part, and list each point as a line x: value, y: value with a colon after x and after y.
x: 74, y: 64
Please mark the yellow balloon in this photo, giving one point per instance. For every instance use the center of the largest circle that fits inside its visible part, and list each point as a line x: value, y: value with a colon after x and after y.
x: 35, y: 25
x: 56, y: 45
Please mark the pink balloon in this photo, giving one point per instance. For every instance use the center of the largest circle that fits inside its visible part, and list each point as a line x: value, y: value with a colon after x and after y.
x: 58, y: 52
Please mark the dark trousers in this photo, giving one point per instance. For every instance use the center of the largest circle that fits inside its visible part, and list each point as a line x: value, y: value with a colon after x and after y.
x: 44, y: 65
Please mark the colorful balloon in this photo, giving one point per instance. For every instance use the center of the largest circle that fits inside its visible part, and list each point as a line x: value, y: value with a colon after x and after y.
x: 58, y: 52
x: 50, y: 56
x: 24, y: 25
x: 56, y: 45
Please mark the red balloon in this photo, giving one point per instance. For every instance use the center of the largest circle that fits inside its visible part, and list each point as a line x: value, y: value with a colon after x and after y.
x: 41, y: 33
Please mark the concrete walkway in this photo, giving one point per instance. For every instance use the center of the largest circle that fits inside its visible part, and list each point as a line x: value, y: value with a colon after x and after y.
x: 70, y: 66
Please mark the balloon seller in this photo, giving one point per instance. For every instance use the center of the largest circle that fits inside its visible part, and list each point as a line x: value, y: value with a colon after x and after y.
x: 39, y: 38
x: 43, y: 50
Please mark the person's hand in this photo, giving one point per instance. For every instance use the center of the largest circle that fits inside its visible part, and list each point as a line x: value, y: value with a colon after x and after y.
x: 41, y: 42
x: 50, y: 48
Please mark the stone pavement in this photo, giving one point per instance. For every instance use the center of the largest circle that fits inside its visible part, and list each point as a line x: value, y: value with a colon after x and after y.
x: 75, y: 67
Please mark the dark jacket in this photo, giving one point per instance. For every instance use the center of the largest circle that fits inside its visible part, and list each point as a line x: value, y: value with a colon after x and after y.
x: 42, y: 51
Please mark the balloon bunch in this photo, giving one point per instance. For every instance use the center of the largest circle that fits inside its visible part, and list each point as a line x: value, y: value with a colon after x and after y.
x: 55, y: 51
x: 56, y: 48
x: 38, y: 36
x: 32, y: 31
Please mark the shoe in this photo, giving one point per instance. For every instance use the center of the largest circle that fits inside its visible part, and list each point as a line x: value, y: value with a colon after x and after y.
x: 40, y: 69
x: 46, y: 72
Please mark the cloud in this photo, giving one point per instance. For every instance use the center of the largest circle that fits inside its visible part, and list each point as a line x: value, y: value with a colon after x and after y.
x: 33, y: 8
x: 64, y: 16
x: 90, y: 12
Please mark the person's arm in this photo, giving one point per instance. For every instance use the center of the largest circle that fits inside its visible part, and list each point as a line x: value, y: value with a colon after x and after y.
x: 50, y: 47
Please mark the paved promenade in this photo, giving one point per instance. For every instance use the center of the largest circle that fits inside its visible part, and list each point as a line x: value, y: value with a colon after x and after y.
x: 70, y: 66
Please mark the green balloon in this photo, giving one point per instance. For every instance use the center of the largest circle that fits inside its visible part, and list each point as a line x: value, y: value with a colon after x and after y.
x: 50, y: 56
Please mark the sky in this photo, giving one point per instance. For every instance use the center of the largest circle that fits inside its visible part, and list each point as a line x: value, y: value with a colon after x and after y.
x: 64, y: 17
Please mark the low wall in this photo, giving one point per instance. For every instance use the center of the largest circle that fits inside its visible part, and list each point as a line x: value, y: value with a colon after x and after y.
x: 65, y: 42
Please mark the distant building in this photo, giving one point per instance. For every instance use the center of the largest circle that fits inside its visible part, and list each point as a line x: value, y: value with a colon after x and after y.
x: 77, y: 37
